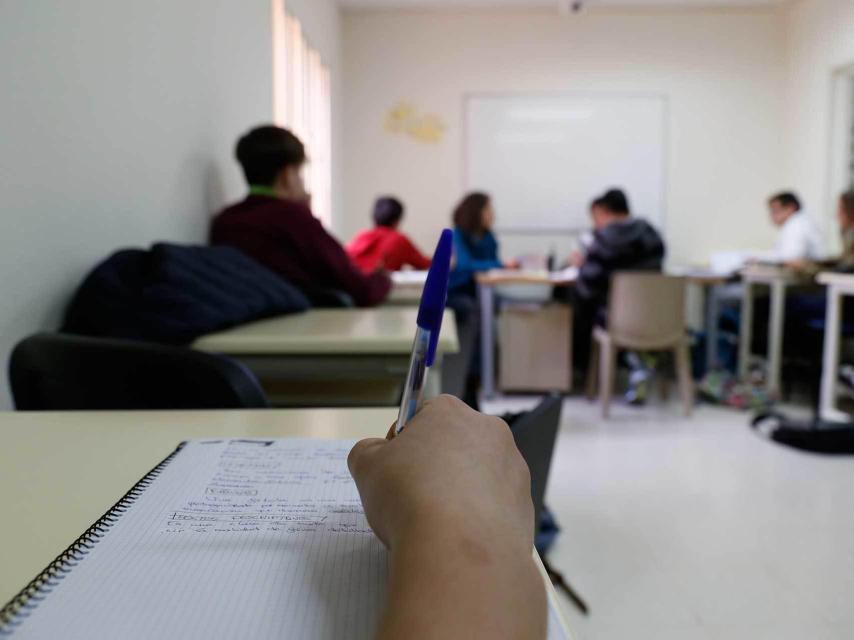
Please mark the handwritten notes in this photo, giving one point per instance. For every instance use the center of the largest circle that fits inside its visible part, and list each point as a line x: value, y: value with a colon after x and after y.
x: 232, y: 539
x: 282, y: 487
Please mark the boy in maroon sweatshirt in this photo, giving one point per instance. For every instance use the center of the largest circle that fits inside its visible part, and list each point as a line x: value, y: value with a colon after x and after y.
x: 275, y: 226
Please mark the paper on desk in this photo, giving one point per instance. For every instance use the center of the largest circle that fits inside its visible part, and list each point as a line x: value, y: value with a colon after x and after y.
x: 233, y: 539
x: 409, y: 277
x: 564, y: 275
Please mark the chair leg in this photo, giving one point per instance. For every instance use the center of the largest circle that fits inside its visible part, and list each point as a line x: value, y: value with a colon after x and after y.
x: 592, y: 371
x: 663, y: 387
x: 607, y: 365
x: 683, y: 372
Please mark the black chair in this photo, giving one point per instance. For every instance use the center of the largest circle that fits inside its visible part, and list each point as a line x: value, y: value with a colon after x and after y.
x: 535, y: 434
x: 64, y: 372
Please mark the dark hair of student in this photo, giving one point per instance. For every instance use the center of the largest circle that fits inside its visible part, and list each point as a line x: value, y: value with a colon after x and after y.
x: 786, y: 199
x: 387, y: 211
x: 847, y: 201
x: 468, y: 216
x: 614, y: 201
x: 265, y: 151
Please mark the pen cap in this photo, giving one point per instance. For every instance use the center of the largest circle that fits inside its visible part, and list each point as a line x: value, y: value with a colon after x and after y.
x: 435, y: 295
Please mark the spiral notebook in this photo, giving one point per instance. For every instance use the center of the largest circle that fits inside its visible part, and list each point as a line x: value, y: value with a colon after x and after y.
x: 223, y: 539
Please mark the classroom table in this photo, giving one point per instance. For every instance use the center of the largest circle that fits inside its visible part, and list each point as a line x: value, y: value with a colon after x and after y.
x: 838, y: 285
x: 710, y: 282
x: 61, y: 471
x: 332, y: 357
x: 406, y: 288
x: 777, y: 279
x: 487, y: 283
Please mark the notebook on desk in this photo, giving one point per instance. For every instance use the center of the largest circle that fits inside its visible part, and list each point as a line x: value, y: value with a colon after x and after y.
x: 223, y: 539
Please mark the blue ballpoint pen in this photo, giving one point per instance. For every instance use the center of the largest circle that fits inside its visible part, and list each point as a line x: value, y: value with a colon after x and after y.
x: 429, y: 325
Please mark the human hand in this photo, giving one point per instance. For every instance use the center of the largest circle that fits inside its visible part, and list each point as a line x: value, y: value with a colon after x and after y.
x: 576, y: 259
x: 452, y: 471
x: 512, y: 264
x: 801, y: 266
x: 451, y: 499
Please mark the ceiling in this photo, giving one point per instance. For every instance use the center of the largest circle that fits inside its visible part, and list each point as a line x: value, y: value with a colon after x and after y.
x: 488, y: 4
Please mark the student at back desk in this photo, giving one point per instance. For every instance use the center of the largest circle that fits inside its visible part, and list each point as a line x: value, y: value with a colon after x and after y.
x: 275, y: 226
x: 620, y: 242
x: 806, y: 307
x: 384, y: 246
x: 799, y: 240
x: 475, y: 251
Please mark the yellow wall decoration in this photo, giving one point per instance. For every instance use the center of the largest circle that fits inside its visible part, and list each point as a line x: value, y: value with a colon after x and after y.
x: 404, y: 119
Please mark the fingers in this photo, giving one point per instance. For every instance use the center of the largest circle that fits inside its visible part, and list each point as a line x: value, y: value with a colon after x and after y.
x: 391, y: 430
x: 362, y: 452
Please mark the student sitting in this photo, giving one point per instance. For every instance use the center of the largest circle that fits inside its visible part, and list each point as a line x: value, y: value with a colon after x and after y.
x: 275, y: 226
x: 620, y: 243
x: 799, y: 240
x: 384, y: 247
x: 845, y: 216
x: 806, y: 306
x: 475, y: 247
x: 475, y: 251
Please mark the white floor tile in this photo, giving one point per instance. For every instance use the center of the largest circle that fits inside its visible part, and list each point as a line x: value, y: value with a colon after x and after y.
x: 698, y: 528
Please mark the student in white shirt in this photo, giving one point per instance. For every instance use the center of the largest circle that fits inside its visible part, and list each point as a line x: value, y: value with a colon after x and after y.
x: 799, y: 240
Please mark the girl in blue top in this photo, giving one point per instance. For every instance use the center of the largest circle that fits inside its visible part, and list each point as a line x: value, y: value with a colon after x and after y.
x: 475, y: 247
x: 475, y: 250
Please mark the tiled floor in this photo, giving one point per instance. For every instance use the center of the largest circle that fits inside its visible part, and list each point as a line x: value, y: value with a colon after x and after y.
x: 698, y: 528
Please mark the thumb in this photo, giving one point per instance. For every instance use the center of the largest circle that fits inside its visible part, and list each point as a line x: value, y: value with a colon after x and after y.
x: 362, y: 453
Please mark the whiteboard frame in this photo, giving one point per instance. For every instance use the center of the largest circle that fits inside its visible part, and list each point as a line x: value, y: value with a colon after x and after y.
x: 468, y: 96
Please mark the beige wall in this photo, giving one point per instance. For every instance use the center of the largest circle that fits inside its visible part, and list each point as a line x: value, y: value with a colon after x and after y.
x: 722, y: 72
x: 820, y: 37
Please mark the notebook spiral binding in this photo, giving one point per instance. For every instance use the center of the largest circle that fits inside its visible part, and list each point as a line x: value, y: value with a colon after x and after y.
x: 19, y: 607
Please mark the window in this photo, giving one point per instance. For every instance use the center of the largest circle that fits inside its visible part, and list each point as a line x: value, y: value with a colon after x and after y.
x: 302, y: 102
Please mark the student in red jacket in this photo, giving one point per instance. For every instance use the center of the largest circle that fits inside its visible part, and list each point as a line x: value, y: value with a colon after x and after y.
x: 275, y: 226
x: 384, y: 247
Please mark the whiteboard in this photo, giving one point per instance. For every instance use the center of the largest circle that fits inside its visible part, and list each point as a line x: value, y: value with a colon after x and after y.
x: 544, y: 158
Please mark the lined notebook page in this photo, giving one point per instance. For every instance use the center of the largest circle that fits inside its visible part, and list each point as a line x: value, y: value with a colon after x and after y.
x: 234, y: 539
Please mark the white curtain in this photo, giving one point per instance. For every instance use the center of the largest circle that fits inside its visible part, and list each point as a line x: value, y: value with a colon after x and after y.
x: 303, y: 103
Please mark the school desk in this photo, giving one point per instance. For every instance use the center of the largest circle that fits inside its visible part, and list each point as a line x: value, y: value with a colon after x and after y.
x: 406, y: 288
x: 488, y: 282
x: 838, y: 285
x: 332, y: 357
x: 60, y: 471
x: 778, y: 280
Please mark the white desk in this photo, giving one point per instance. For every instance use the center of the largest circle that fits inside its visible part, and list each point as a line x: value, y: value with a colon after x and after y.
x: 838, y: 285
x: 332, y: 357
x: 406, y: 287
x: 778, y: 279
x: 710, y: 283
x: 60, y: 471
x: 487, y: 283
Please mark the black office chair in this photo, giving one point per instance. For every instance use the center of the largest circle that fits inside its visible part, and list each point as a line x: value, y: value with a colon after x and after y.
x: 535, y: 434
x: 64, y: 372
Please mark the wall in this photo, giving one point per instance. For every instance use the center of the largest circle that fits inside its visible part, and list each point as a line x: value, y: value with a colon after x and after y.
x: 819, y: 37
x: 723, y: 73
x: 117, y: 125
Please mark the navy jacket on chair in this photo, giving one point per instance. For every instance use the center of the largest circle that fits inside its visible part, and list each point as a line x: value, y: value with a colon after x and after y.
x: 173, y: 294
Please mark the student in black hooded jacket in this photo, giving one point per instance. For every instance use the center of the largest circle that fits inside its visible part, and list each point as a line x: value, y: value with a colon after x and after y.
x: 620, y: 243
